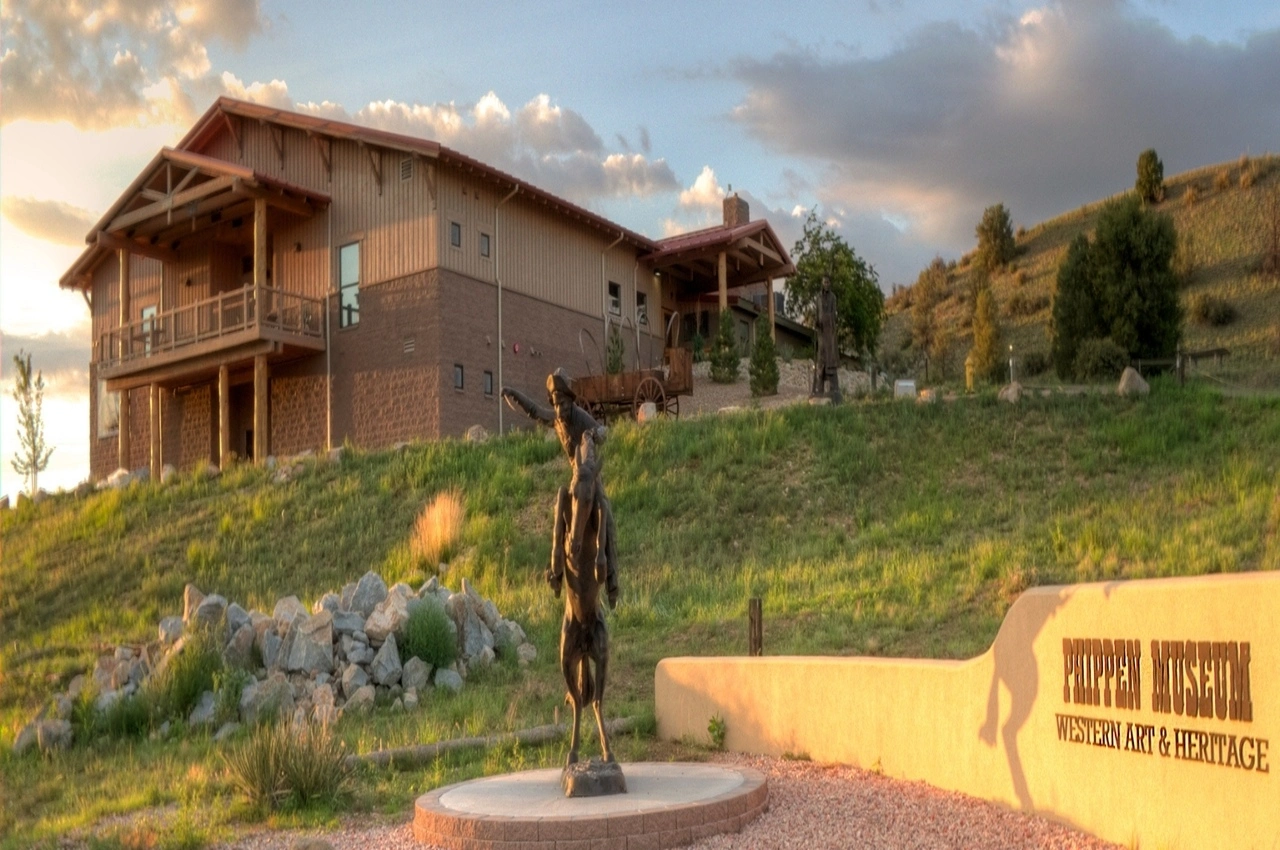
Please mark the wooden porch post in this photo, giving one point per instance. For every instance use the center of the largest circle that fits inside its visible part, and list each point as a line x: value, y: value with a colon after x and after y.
x: 157, y: 459
x: 768, y: 294
x: 259, y: 257
x: 224, y: 417
x: 260, y: 423
x: 122, y: 449
x: 722, y: 271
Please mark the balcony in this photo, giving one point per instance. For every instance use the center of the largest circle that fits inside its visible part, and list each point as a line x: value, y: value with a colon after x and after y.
x: 197, y: 338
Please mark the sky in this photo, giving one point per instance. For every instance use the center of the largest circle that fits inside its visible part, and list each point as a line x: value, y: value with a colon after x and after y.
x: 896, y: 121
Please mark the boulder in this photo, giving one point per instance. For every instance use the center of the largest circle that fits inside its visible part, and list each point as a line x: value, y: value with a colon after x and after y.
x: 484, y: 658
x: 477, y: 434
x: 347, y: 622
x: 204, y: 712
x: 330, y: 602
x: 117, y: 480
x: 647, y: 413
x: 388, y: 617
x: 312, y: 649
x: 106, y: 700
x: 225, y: 731
x: 927, y: 396
x: 53, y: 735
x: 236, y: 617
x: 324, y: 715
x: 386, y: 668
x: 1131, y: 384
x: 239, y: 650
x: 410, y: 699
x: 123, y: 653
x: 191, y: 599
x: 353, y: 679
x: 170, y: 630
x: 361, y: 700
x: 26, y: 738
x: 103, y: 671
x: 526, y: 653
x: 323, y: 695
x: 270, y: 645
x: 335, y: 454
x: 1011, y: 393
x: 272, y: 697
x: 508, y: 633
x: 473, y: 634
x: 211, y: 611
x: 287, y: 610
x: 167, y: 473
x: 429, y: 588
x: 348, y: 590
x: 416, y: 674
x: 369, y: 592
x: 448, y: 680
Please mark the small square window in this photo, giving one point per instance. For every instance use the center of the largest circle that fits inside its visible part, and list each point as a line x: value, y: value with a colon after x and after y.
x: 642, y: 308
x: 484, y: 244
x: 488, y: 382
x: 455, y: 234
x: 615, y: 298
x: 457, y: 376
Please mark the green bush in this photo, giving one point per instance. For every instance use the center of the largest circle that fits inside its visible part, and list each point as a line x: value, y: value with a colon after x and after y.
x: 257, y: 766
x: 228, y: 687
x: 996, y: 245
x: 615, y: 350
x: 189, y: 673
x: 699, y: 346
x: 987, y: 361
x: 1100, y: 359
x: 429, y: 634
x: 724, y: 351
x: 315, y: 765
x: 764, y: 361
x: 128, y: 717
x: 1035, y: 363
x: 1207, y: 309
x: 1150, y: 182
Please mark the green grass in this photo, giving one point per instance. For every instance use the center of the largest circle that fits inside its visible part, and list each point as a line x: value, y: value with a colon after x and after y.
x: 1222, y: 238
x: 874, y: 528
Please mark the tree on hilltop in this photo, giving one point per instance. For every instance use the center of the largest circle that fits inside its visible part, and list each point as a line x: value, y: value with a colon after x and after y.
x: 995, y: 238
x: 1150, y: 182
x: 859, y: 301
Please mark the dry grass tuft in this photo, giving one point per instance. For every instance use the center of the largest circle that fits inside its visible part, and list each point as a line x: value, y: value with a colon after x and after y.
x: 438, y: 529
x: 1191, y: 195
x: 1222, y: 180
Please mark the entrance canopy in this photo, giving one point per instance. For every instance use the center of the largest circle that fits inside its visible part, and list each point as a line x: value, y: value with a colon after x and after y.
x: 720, y: 258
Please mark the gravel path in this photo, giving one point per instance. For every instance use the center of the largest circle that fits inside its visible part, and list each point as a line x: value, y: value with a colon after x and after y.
x: 812, y: 807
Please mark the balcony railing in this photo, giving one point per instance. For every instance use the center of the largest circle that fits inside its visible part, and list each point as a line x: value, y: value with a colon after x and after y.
x: 188, y: 327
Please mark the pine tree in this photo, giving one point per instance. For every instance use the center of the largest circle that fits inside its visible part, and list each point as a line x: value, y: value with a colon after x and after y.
x: 724, y: 351
x: 1150, y: 182
x: 764, y: 361
x: 996, y: 245
x: 32, y: 456
x: 986, y: 336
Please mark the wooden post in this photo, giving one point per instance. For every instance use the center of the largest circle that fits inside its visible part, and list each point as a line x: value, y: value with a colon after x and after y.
x: 722, y: 272
x: 259, y: 243
x: 157, y: 459
x: 773, y: 319
x: 224, y: 417
x: 123, y: 446
x: 260, y: 423
x: 755, y: 627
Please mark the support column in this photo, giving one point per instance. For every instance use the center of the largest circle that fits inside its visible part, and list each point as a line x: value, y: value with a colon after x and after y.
x: 768, y: 294
x: 259, y: 243
x: 260, y: 400
x: 224, y: 417
x: 722, y: 271
x: 122, y: 450
x: 157, y: 459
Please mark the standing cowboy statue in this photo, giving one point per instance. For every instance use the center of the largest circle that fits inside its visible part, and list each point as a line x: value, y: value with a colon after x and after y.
x: 826, y: 361
x: 583, y: 558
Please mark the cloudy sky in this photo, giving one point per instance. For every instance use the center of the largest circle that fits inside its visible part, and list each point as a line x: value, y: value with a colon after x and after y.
x: 899, y: 121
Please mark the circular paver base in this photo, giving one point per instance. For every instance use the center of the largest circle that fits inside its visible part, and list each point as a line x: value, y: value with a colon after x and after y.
x: 666, y: 805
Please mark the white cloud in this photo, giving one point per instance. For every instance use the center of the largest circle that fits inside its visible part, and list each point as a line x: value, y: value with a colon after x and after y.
x: 274, y: 93
x: 705, y: 191
x: 52, y: 221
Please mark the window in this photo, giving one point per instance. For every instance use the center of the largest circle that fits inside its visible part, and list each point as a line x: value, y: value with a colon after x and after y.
x: 349, y: 285
x: 615, y: 298
x: 488, y: 382
x: 484, y: 244
x: 149, y: 327
x: 108, y: 411
x: 455, y: 234
x: 457, y: 376
x: 642, y: 308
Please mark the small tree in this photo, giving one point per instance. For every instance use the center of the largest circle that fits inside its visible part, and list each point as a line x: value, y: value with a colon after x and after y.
x: 1075, y: 308
x: 995, y: 238
x: 986, y: 336
x: 32, y: 456
x: 614, y: 350
x: 764, y: 361
x: 859, y: 301
x: 724, y: 351
x: 929, y: 290
x: 1150, y: 182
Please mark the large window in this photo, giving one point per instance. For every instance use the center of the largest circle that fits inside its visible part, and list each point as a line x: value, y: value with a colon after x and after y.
x: 615, y: 298
x: 349, y: 285
x: 108, y: 411
x: 642, y: 308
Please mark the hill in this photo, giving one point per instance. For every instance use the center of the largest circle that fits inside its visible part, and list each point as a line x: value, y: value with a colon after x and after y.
x: 873, y: 528
x: 1224, y: 218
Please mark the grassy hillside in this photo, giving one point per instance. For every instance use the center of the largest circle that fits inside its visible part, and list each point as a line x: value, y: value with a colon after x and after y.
x: 873, y: 528
x: 1221, y: 215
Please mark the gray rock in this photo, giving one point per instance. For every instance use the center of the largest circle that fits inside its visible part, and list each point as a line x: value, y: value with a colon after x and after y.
x: 388, y: 617
x: 429, y: 588
x: 121, y: 675
x: 335, y: 454
x: 526, y: 653
x: 236, y: 617
x: 27, y: 738
x: 386, y: 668
x: 287, y: 610
x: 448, y: 680
x: 53, y: 735
x: 226, y: 731
x: 211, y: 611
x: 170, y: 630
x: 397, y: 705
x: 485, y: 658
x: 270, y: 645
x: 489, y: 614
x: 77, y: 685
x: 1011, y: 393
x: 272, y: 697
x: 206, y: 708
x: 103, y: 669
x: 410, y: 699
x: 473, y: 634
x: 370, y: 591
x: 415, y: 674
x: 191, y: 599
x: 239, y: 650
x: 167, y: 473
x: 63, y: 707
x: 106, y: 700
x: 1131, y: 384
x: 123, y: 653
x: 312, y: 650
x: 347, y: 622
x: 322, y: 695
x: 330, y: 602
x: 508, y: 634
x: 361, y: 700
x: 348, y: 590
x: 353, y: 679
x: 324, y: 715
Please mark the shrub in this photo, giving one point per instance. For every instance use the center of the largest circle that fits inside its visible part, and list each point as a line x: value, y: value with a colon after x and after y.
x: 1035, y: 363
x: 228, y: 687
x: 429, y: 634
x: 1207, y: 309
x: 257, y: 766
x: 763, y: 370
x: 986, y: 336
x: 1022, y: 304
x: 282, y: 762
x: 1248, y: 176
x: 699, y: 346
x: 615, y: 350
x: 1100, y: 359
x: 189, y: 673
x: 1150, y: 182
x: 996, y: 245
x: 438, y: 529
x: 1222, y: 179
x: 1191, y: 195
x: 128, y: 717
x: 724, y: 351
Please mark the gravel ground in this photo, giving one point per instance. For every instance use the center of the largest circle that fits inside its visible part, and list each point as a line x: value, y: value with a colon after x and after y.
x: 813, y: 807
x: 793, y: 387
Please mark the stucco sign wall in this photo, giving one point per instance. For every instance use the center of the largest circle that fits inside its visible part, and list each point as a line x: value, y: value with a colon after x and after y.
x: 1144, y: 712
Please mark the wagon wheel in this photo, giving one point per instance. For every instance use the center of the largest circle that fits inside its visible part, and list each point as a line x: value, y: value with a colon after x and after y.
x: 672, y: 409
x: 650, y: 389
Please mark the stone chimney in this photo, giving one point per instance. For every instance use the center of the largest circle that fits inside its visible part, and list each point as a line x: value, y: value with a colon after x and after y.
x: 736, y: 211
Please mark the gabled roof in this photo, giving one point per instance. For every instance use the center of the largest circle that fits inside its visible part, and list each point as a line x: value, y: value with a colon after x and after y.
x: 753, y: 249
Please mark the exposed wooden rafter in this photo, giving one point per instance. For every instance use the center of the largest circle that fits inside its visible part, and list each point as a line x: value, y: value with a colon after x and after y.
x: 235, y: 134
x: 324, y: 144
x: 133, y: 246
x: 179, y: 199
x: 277, y: 138
x: 375, y: 163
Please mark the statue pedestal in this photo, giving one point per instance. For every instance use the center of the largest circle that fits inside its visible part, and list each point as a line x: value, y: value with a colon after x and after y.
x: 593, y: 778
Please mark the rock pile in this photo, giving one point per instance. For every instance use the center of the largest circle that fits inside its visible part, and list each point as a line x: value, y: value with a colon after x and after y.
x: 343, y: 655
